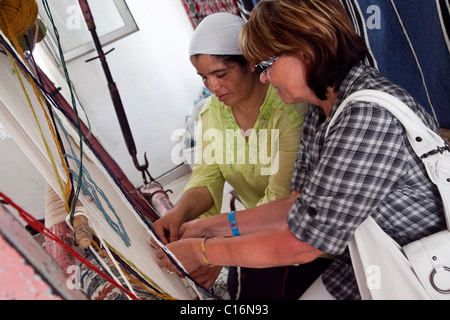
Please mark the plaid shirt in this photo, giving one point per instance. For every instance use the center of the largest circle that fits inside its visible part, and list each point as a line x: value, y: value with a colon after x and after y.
x: 366, y: 166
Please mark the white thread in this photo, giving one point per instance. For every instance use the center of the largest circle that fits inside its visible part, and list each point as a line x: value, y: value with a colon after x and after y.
x: 441, y: 19
x: 238, y: 293
x: 105, y: 265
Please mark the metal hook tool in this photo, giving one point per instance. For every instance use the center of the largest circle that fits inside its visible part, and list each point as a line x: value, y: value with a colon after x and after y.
x: 117, y: 101
x: 143, y: 169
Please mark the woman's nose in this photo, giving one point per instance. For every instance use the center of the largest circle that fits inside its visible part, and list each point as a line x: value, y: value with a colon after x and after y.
x: 213, y: 84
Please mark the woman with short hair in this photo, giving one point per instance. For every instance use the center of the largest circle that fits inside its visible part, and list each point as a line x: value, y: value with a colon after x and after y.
x: 308, y: 51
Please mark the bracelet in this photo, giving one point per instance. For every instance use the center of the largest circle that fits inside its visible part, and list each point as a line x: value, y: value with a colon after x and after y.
x: 204, y: 253
x: 233, y: 224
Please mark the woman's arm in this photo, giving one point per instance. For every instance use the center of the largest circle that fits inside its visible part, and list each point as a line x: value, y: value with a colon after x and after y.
x: 267, y: 216
x: 268, y: 248
x: 265, y: 249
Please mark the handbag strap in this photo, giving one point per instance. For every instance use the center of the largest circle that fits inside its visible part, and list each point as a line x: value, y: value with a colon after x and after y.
x: 429, y: 146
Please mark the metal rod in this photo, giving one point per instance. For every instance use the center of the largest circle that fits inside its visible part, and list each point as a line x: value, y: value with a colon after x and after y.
x: 114, y: 92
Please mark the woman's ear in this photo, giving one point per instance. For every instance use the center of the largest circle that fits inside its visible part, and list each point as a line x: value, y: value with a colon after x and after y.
x: 305, y: 57
x: 251, y: 66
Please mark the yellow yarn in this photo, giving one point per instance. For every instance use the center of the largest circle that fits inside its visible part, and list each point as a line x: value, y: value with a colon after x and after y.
x: 17, y: 16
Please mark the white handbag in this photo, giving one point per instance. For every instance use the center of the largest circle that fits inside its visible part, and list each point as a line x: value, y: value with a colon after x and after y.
x: 421, y: 269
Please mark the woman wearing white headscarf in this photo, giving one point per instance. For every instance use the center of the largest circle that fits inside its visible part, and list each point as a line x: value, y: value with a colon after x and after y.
x: 234, y: 120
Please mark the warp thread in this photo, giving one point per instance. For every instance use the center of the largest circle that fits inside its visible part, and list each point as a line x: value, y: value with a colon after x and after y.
x: 55, y: 210
x: 72, y: 95
x: 90, y: 189
x: 16, y: 18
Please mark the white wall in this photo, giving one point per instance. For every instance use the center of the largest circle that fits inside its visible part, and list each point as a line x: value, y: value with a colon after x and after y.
x: 157, y: 85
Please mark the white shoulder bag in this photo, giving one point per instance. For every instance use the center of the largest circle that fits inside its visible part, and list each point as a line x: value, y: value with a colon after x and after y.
x: 421, y: 269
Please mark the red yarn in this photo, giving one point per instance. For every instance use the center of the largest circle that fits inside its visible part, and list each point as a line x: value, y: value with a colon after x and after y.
x: 40, y: 227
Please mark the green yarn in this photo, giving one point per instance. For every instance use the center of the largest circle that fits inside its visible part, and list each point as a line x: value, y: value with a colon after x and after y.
x: 27, y: 40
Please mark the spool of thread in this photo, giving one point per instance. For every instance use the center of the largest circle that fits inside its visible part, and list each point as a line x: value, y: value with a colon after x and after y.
x: 81, y: 229
x: 17, y: 16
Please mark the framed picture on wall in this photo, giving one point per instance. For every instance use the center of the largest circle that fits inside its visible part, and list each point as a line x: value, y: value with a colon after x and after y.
x: 112, y: 18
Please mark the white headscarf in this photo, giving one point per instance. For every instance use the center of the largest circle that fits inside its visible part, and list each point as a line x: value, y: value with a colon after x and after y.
x: 217, y: 34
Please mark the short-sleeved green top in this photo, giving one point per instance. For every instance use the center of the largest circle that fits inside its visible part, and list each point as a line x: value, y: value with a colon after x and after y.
x: 258, y: 163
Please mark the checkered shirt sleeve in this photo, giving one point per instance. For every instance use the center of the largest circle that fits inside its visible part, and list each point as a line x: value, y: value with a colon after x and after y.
x: 363, y: 158
x: 365, y: 166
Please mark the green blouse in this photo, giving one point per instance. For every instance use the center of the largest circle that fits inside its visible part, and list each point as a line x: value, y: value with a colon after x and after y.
x: 258, y: 164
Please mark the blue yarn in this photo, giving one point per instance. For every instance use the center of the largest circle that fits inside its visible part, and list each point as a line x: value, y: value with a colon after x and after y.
x: 90, y: 189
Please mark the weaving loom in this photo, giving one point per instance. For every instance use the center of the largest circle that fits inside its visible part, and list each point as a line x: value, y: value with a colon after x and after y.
x: 130, y: 237
x: 79, y: 185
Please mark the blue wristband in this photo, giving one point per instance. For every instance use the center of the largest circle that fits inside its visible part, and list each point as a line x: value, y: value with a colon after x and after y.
x: 233, y: 224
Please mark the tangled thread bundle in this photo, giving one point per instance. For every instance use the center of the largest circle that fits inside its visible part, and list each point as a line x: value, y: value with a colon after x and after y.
x: 17, y: 16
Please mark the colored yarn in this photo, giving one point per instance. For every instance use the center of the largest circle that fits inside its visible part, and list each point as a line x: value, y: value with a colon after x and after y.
x: 96, y: 194
x: 35, y: 34
x: 39, y: 227
x: 51, y: 158
x: 17, y: 16
x: 130, y: 277
x: 72, y: 95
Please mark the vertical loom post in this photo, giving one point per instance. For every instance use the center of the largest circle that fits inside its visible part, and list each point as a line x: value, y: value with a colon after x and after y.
x: 63, y: 258
x: 114, y: 92
x: 55, y: 221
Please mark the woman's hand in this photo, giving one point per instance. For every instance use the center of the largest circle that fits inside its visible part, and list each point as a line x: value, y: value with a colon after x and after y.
x: 192, y: 204
x: 168, y: 227
x: 188, y: 252
x: 215, y: 226
x: 193, y: 229
x: 205, y: 276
